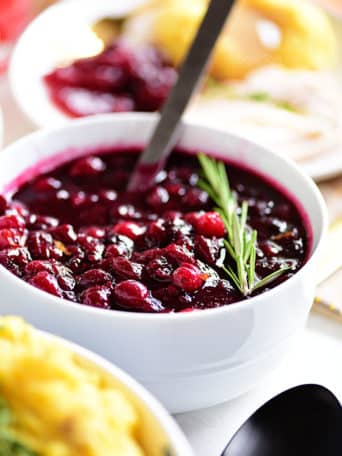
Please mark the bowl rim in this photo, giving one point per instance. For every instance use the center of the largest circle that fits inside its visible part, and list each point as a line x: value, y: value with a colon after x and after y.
x: 175, y: 316
x: 172, y: 430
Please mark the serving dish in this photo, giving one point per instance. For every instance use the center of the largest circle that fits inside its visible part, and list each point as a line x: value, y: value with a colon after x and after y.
x: 157, y: 434
x: 32, y: 96
x: 190, y: 360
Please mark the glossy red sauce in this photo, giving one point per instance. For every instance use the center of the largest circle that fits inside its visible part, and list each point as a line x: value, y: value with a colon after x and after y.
x: 119, y: 79
x: 76, y: 232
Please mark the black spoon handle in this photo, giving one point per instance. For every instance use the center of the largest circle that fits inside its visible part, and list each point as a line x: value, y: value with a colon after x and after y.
x: 166, y: 133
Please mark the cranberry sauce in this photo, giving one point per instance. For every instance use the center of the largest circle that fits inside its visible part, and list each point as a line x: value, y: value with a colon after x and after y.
x: 119, y: 79
x: 78, y: 234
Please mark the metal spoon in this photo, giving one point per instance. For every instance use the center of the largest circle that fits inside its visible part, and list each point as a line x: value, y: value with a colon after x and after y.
x: 303, y: 421
x: 166, y: 133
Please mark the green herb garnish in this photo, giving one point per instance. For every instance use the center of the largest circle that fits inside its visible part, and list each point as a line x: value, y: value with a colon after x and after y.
x: 259, y: 96
x: 241, y: 241
x: 9, y: 445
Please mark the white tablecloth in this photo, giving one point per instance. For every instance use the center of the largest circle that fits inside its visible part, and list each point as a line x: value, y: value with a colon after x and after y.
x: 317, y: 358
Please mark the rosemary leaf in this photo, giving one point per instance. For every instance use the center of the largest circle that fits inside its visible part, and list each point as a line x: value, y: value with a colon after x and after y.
x: 241, y: 241
x: 270, y: 278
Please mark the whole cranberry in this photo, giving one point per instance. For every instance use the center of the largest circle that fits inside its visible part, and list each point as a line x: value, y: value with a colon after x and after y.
x: 10, y: 237
x: 157, y: 197
x: 64, y: 233
x: 36, y: 266
x: 119, y: 245
x: 78, y: 199
x: 156, y: 233
x: 87, y: 166
x: 178, y: 253
x: 18, y: 208
x: 125, y: 211
x: 133, y: 295
x: 94, y: 231
x: 188, y: 277
x: 123, y: 268
x: 42, y: 246
x: 195, y: 198
x: 107, y: 196
x: 46, y: 282
x: 46, y: 184
x: 41, y: 222
x: 77, y: 261
x: 15, y: 259
x: 94, y: 277
x: 12, y: 221
x: 210, y: 250
x: 147, y: 255
x: 159, y: 270
x: 209, y: 224
x: 92, y: 247
x: 98, y: 296
x: 129, y: 229
x: 66, y: 280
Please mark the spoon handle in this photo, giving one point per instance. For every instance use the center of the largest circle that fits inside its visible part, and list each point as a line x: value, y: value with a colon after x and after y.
x: 166, y: 133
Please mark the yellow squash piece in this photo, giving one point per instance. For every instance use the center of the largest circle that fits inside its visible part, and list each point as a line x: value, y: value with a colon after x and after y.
x: 306, y: 38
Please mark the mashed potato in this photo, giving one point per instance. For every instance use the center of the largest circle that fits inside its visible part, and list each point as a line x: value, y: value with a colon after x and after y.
x: 59, y: 407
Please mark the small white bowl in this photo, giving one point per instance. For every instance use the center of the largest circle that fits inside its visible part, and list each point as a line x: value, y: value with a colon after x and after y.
x: 60, y: 34
x: 157, y: 432
x: 192, y: 360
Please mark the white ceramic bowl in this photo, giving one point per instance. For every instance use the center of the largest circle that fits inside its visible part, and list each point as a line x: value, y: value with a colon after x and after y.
x: 157, y: 432
x: 192, y: 360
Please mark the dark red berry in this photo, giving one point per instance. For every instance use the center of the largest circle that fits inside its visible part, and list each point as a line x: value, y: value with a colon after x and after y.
x: 130, y: 229
x: 46, y: 282
x: 64, y: 233
x: 12, y: 221
x: 209, y: 224
x: 188, y: 277
x: 123, y: 268
x: 98, y: 296
x: 10, y: 237
x: 94, y: 277
x: 46, y: 184
x: 88, y: 166
x: 158, y: 197
x: 42, y: 246
x: 133, y: 295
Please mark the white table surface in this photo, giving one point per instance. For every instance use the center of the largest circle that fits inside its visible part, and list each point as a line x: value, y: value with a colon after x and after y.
x: 316, y: 359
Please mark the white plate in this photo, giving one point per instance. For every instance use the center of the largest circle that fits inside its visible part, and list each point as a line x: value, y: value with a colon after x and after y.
x: 61, y: 34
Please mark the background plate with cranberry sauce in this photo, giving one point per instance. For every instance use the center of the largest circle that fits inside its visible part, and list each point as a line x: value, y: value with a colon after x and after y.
x: 175, y: 354
x: 299, y: 120
x: 75, y: 232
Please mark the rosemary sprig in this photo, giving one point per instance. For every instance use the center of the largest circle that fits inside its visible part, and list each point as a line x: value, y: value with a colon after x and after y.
x: 241, y: 241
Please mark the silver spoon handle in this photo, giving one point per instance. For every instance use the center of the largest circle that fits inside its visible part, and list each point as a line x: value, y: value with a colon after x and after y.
x: 166, y: 133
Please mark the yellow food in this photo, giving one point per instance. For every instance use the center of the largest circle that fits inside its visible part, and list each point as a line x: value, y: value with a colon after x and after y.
x: 59, y: 406
x: 306, y: 38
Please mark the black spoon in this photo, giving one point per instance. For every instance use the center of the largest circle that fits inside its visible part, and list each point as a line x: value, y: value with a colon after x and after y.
x: 191, y: 72
x: 303, y: 421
